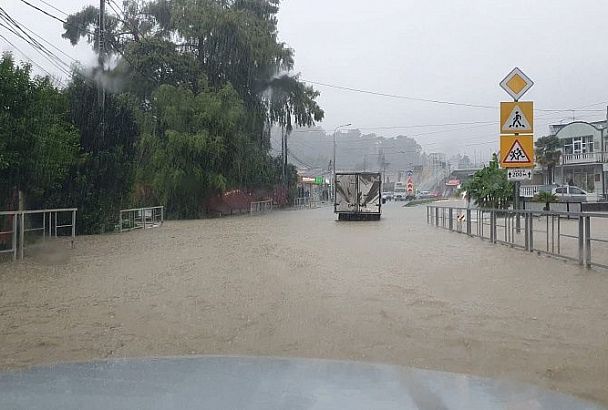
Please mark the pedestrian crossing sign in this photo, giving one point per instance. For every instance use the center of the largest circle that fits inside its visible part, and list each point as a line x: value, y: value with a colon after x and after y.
x: 517, y: 151
x: 517, y: 117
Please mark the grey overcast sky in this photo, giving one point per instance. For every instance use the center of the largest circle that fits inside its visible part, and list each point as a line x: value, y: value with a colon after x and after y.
x: 452, y: 50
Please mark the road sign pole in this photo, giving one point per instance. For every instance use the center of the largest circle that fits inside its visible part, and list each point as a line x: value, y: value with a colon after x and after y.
x: 517, y: 151
x: 517, y: 207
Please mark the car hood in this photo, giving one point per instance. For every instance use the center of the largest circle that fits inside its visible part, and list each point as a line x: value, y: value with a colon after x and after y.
x: 214, y: 382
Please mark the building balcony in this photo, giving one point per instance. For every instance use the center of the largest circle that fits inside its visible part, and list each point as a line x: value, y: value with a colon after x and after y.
x: 585, y: 158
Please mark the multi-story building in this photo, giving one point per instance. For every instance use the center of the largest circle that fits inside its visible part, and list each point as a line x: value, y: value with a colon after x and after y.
x: 584, y: 160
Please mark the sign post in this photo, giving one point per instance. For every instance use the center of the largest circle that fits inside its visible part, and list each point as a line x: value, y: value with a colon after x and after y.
x: 517, y: 118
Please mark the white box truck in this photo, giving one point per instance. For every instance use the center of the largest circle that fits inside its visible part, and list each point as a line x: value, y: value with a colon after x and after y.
x: 358, y: 196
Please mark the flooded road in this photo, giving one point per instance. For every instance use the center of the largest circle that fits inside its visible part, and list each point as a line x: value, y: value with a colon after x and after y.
x: 297, y: 283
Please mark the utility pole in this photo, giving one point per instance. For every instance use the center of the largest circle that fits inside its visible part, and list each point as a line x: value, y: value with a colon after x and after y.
x: 101, y: 58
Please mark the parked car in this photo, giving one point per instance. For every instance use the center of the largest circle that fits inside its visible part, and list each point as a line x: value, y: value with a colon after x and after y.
x: 568, y: 193
x: 387, y: 196
x: 424, y: 195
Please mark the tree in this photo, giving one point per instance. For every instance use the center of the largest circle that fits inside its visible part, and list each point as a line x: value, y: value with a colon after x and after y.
x: 548, y: 153
x: 38, y: 145
x: 102, y: 181
x: 489, y: 187
x: 210, y: 78
x: 194, y: 155
x: 547, y: 198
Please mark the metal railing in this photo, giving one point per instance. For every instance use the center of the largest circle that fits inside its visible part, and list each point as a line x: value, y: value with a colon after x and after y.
x: 140, y: 218
x: 586, y: 157
x: 8, y: 238
x: 260, y: 207
x: 302, y: 202
x: 577, y: 236
x: 47, y: 223
x: 529, y: 191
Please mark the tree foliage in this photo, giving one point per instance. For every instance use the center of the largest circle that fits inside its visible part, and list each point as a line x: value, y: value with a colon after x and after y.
x: 489, y: 187
x: 102, y: 181
x: 548, y: 153
x: 546, y: 197
x: 38, y: 145
x: 207, y: 80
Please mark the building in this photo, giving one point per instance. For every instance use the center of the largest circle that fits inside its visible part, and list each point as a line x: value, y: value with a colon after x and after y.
x: 584, y: 160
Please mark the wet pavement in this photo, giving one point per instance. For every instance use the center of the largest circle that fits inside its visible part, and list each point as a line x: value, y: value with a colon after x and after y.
x: 298, y: 283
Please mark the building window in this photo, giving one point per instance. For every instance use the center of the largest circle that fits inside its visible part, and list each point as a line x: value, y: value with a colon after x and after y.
x: 578, y: 145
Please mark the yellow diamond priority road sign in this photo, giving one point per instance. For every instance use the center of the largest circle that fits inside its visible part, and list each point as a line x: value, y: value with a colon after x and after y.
x: 516, y: 84
x: 517, y: 117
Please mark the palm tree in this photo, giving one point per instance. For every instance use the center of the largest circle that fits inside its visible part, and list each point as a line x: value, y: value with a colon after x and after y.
x: 548, y: 153
x: 547, y: 198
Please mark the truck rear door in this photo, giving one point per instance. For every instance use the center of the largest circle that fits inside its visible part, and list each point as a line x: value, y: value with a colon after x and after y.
x: 346, y: 193
x: 369, y: 193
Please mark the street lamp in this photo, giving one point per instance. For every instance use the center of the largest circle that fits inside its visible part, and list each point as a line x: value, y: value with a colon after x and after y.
x: 334, y: 161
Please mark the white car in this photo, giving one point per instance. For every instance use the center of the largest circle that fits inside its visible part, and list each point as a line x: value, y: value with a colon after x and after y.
x: 568, y: 193
x: 387, y: 196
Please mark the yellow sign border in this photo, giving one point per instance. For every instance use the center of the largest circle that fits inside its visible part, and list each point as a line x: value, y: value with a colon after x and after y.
x: 527, y: 108
x: 527, y: 144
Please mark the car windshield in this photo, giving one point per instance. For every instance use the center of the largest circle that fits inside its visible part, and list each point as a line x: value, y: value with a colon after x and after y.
x: 421, y: 184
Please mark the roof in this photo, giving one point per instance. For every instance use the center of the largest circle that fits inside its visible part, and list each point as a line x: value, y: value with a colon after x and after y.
x: 555, y: 128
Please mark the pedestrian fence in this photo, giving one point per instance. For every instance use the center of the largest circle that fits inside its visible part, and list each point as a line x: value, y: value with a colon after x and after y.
x: 307, y: 202
x: 302, y: 202
x: 260, y: 207
x: 581, y: 237
x: 140, y: 218
x: 20, y: 229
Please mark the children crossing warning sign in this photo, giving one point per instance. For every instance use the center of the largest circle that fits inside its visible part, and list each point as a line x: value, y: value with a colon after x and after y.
x: 516, y: 151
x: 516, y: 117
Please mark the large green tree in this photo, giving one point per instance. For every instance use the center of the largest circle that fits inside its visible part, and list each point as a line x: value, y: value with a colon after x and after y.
x: 489, y: 187
x: 224, y: 59
x: 38, y: 145
x: 548, y: 153
x: 102, y: 181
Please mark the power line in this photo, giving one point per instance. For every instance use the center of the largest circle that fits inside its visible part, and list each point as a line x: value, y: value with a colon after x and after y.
x: 54, y: 8
x: 24, y: 55
x: 402, y: 97
x: 44, y: 12
x: 18, y: 31
x: 434, y: 101
x: 46, y: 41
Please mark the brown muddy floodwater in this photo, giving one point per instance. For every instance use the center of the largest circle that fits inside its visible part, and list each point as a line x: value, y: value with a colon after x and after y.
x: 297, y: 283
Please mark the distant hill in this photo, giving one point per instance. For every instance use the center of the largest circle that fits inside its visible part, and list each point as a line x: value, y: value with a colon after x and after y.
x: 312, y: 148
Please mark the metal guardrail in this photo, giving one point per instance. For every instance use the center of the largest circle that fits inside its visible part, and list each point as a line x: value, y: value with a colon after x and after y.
x: 566, y: 235
x: 308, y: 202
x: 48, y: 223
x: 141, y: 218
x: 302, y: 202
x: 260, y: 207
